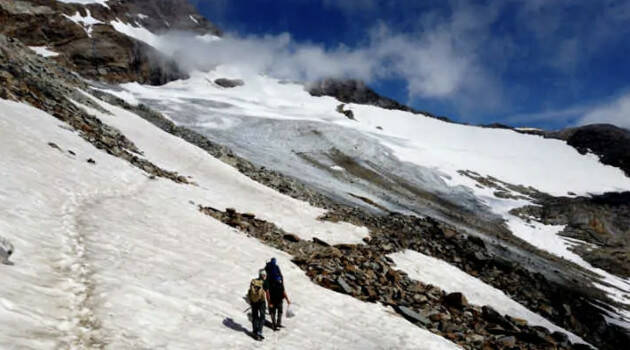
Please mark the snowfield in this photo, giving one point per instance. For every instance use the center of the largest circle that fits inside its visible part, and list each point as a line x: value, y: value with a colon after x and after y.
x: 107, y: 257
x: 451, y: 279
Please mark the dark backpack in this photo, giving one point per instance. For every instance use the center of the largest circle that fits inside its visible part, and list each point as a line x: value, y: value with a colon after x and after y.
x: 276, y: 292
x: 273, y: 272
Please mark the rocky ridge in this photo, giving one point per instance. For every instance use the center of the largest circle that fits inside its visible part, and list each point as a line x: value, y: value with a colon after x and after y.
x: 29, y: 78
x: 366, y: 273
x: 87, y: 43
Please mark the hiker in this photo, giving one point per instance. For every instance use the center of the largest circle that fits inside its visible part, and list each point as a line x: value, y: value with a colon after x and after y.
x: 256, y: 297
x: 276, y: 293
x: 273, y: 271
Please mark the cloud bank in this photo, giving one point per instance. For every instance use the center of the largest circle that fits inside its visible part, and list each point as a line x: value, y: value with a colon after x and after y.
x: 440, y: 60
x: 505, y: 60
x: 617, y: 112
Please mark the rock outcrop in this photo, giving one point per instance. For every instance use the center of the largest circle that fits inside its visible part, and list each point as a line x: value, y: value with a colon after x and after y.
x: 355, y: 91
x: 610, y: 143
x: 366, y: 273
x: 29, y: 78
x: 88, y: 44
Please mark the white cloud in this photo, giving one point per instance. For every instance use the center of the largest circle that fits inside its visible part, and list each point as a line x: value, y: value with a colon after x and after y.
x: 440, y: 60
x: 617, y: 112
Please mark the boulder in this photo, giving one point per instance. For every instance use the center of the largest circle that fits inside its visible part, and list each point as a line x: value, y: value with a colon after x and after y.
x: 456, y: 300
x: 507, y: 341
x: 229, y: 83
x: 291, y: 237
x: 413, y: 316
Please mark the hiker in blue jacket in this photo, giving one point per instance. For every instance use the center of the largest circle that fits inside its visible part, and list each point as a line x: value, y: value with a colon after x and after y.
x: 275, y: 287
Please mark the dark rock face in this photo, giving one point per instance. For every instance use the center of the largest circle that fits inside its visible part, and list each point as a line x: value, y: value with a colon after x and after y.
x: 114, y: 57
x: 355, y: 91
x: 162, y: 15
x: 229, y: 83
x: 610, y: 143
x: 348, y: 113
x: 603, y: 220
x: 104, y: 53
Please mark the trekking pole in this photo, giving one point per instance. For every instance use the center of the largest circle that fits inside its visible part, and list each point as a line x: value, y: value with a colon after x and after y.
x: 247, y: 309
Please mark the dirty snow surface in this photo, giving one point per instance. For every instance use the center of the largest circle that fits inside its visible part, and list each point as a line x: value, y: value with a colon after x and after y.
x: 451, y: 279
x: 107, y: 257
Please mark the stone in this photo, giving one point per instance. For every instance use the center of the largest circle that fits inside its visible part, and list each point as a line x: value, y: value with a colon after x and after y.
x: 495, y: 329
x: 320, y: 242
x: 456, y: 300
x: 476, y: 338
x: 91, y: 161
x: 419, y: 298
x: 229, y: 83
x: 291, y: 237
x: 507, y: 341
x: 344, y: 285
x: 249, y: 216
x: 412, y: 315
x: 491, y: 315
x: 448, y: 233
x: 561, y: 338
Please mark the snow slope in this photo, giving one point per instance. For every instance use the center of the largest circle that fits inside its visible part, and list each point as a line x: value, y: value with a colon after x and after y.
x: 451, y: 279
x: 256, y: 118
x: 548, y: 165
x: 107, y: 257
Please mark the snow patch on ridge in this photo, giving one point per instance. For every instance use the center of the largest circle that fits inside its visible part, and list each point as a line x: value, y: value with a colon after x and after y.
x: 44, y: 51
x: 86, y: 22
x: 86, y: 2
x: 138, y: 33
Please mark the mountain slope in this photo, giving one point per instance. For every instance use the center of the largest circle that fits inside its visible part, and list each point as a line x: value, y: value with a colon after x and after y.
x: 119, y: 252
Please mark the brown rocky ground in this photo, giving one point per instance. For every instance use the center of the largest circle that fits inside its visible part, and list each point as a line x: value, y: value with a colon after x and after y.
x: 366, y: 273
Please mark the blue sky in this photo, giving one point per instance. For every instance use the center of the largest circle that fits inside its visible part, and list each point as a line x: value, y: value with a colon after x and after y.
x: 541, y: 63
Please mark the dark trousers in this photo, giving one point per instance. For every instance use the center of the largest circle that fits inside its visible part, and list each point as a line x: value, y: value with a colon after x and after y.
x: 258, y: 317
x: 276, y: 314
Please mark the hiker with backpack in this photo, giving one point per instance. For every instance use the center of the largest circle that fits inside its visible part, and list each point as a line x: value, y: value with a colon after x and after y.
x: 256, y: 297
x: 276, y: 292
